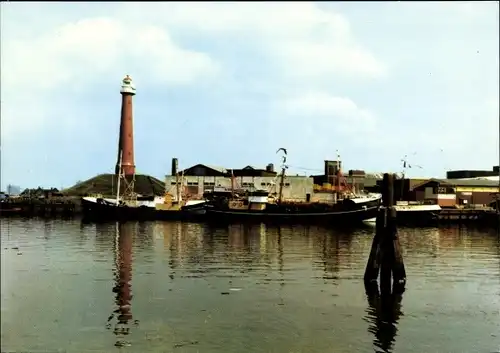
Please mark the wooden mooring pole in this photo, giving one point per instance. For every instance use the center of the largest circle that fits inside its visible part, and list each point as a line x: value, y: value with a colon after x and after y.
x: 385, y: 255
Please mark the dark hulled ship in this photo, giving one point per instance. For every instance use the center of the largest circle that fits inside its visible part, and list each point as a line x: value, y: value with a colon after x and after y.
x: 345, y: 207
x: 141, y: 208
x: 260, y: 206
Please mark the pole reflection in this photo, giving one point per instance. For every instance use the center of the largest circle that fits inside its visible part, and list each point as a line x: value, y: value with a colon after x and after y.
x: 175, y: 248
x: 123, y: 289
x: 281, y: 265
x: 330, y: 256
x: 383, y: 312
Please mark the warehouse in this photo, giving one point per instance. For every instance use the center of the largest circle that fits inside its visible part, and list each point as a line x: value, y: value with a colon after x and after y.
x: 457, y: 192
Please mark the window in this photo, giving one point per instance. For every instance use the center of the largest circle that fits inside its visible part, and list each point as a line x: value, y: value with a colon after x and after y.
x: 287, y: 184
x: 192, y: 183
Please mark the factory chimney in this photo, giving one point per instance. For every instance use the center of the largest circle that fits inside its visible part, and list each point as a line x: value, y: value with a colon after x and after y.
x: 126, y: 142
x: 175, y: 166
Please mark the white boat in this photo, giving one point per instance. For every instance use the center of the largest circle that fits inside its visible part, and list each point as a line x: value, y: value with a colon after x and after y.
x: 132, y: 206
x: 414, y: 212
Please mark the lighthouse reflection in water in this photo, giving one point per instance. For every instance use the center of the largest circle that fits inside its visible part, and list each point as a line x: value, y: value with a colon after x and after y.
x: 121, y: 318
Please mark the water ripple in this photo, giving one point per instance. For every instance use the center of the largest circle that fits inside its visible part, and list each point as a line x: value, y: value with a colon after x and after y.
x: 173, y: 287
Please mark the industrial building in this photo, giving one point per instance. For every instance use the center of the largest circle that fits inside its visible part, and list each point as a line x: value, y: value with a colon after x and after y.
x: 457, y: 192
x: 403, y: 188
x: 463, y: 174
x: 201, y: 178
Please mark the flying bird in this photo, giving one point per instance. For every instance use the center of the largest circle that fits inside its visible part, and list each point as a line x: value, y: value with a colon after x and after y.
x: 284, y: 151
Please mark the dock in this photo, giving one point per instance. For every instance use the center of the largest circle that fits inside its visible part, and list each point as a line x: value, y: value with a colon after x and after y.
x: 41, y: 207
x: 467, y: 215
x: 66, y: 206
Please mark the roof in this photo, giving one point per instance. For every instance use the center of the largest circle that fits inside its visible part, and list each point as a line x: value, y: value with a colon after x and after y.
x: 473, y: 182
x: 374, y: 175
x: 494, y: 178
x: 215, y: 167
x: 462, y: 182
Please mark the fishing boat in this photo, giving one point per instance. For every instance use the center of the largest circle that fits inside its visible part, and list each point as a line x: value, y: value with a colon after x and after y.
x: 257, y: 206
x: 261, y: 205
x: 142, y: 208
x: 130, y: 206
x: 414, y: 213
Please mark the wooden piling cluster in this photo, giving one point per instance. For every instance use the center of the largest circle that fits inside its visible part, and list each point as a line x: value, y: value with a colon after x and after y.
x: 385, y: 255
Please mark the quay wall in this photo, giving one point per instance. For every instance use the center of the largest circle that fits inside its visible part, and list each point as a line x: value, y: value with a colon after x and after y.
x: 31, y: 207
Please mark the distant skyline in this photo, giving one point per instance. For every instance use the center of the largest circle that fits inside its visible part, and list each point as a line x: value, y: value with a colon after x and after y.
x: 229, y: 83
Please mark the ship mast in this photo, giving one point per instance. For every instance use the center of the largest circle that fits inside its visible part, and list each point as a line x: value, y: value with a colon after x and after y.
x: 498, y: 193
x: 232, y: 182
x: 403, y: 173
x: 182, y: 186
x: 337, y: 179
x: 178, y: 182
x: 282, y: 175
x: 177, y: 188
x: 118, y: 181
x: 282, y: 178
x: 129, y: 186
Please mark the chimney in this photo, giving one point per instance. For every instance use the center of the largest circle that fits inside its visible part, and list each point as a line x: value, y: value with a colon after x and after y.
x: 330, y: 168
x: 175, y: 166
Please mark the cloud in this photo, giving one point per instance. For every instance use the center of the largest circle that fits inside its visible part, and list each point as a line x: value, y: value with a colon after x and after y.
x: 304, y: 41
x: 73, y: 56
x: 340, y: 114
x: 375, y: 81
x: 87, y: 48
x: 300, y: 42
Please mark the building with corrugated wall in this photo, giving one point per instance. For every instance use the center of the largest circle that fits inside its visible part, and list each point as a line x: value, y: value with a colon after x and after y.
x: 462, y: 174
x: 457, y: 192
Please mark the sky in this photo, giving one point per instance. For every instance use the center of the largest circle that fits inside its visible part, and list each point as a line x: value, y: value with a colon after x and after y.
x: 228, y: 84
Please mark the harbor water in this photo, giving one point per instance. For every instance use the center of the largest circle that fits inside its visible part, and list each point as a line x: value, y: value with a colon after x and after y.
x: 187, y: 287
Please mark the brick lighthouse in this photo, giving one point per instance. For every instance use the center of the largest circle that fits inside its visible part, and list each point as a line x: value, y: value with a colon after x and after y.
x: 125, y: 161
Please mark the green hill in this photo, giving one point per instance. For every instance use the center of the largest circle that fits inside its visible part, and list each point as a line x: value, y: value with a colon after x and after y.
x: 105, y: 184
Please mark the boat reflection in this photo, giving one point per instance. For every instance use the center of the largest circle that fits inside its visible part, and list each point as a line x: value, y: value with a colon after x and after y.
x: 123, y: 289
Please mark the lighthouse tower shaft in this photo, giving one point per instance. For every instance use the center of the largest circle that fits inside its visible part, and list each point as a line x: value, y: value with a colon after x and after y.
x: 125, y: 161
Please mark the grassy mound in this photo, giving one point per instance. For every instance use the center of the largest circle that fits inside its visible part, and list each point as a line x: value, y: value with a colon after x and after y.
x: 105, y: 184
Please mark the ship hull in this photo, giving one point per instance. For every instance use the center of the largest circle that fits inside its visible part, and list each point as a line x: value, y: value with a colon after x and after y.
x: 347, y: 217
x: 101, y: 211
